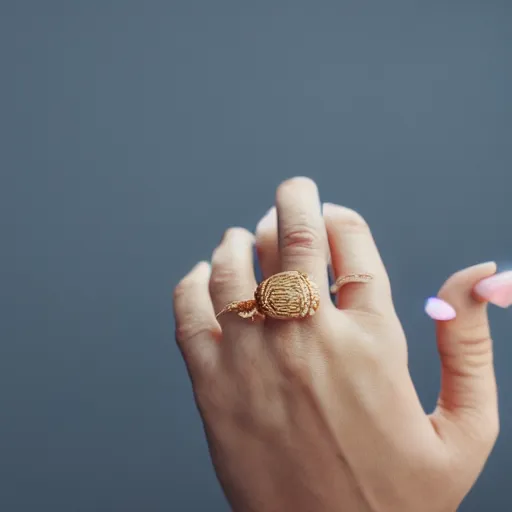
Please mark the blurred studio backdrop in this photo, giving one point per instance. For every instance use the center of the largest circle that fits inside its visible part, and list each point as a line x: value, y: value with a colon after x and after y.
x: 133, y: 133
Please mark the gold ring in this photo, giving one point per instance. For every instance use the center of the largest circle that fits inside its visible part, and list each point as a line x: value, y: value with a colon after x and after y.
x: 287, y: 295
x: 283, y: 296
x: 350, y: 278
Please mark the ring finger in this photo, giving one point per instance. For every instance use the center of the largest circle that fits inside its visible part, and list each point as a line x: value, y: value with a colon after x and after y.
x: 353, y: 251
x: 267, y: 245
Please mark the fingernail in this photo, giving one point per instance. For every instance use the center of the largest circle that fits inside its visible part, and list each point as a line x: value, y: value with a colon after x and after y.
x: 496, y: 289
x: 269, y: 220
x: 439, y: 309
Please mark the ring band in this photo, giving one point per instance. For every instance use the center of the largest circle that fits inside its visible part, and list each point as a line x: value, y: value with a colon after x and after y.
x: 287, y: 295
x: 350, y: 278
x: 283, y: 296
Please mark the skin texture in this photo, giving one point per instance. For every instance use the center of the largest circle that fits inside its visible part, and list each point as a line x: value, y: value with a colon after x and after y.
x: 320, y: 414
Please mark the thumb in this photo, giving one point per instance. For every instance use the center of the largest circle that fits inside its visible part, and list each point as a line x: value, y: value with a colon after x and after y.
x: 468, y: 397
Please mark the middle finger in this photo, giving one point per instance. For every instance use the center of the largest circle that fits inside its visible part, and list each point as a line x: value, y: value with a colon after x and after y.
x: 302, y: 236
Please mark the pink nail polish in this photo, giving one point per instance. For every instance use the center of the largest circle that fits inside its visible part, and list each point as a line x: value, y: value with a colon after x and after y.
x: 496, y: 289
x: 438, y: 309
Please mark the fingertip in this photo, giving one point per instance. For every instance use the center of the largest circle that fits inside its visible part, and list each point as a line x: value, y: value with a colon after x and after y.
x: 237, y: 232
x: 297, y: 181
x: 460, y: 285
x: 348, y: 215
x: 267, y: 222
x: 328, y: 208
x: 203, y: 267
x: 496, y: 289
x: 267, y: 244
x: 296, y: 191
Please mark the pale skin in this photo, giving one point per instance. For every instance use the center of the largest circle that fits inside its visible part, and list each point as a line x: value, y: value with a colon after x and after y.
x: 320, y: 413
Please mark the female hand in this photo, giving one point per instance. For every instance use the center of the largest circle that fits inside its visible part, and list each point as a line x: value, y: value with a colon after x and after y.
x: 320, y: 414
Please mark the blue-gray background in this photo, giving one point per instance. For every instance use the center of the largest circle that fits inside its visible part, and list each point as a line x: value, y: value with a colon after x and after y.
x: 133, y: 133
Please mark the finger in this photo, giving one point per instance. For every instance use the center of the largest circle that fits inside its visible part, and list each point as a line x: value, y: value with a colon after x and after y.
x: 267, y: 245
x: 232, y: 277
x: 468, y: 396
x: 197, y: 330
x: 353, y: 251
x: 301, y: 231
x: 496, y: 289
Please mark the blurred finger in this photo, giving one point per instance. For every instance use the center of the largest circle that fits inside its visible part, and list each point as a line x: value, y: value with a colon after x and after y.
x: 267, y: 244
x: 232, y: 277
x: 197, y: 330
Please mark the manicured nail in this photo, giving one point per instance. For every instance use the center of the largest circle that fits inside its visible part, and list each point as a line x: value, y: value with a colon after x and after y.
x: 496, y: 289
x: 438, y: 309
x: 268, y: 220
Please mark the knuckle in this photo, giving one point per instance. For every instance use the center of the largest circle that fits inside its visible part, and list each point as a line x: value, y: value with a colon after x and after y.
x: 301, y: 237
x: 475, y: 335
x: 190, y: 324
x: 221, y: 276
x: 188, y: 328
x: 470, y: 359
x: 295, y: 365
x: 478, y: 355
x: 182, y: 288
x: 477, y: 346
